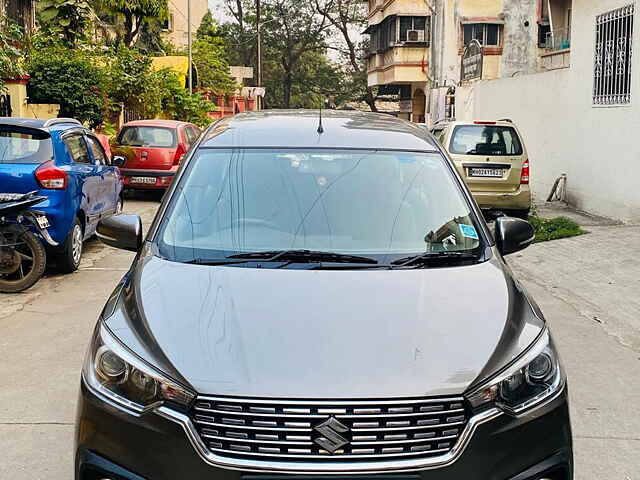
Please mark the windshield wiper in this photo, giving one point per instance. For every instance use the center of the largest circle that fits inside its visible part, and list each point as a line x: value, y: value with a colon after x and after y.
x: 214, y: 261
x: 433, y: 257
x: 303, y: 256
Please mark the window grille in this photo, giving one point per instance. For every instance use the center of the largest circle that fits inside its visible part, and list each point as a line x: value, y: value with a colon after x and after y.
x: 613, y: 57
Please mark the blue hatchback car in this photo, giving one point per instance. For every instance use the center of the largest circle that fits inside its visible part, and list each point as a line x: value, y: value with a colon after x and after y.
x: 65, y: 162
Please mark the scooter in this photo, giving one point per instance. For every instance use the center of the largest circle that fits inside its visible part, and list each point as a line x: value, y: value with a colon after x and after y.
x: 23, y: 257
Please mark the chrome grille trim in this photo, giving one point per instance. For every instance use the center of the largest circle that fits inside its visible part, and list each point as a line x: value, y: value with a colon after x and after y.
x: 335, y: 465
x: 373, y: 429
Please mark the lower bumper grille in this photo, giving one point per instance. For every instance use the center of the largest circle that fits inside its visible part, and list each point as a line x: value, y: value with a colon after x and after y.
x: 328, y: 430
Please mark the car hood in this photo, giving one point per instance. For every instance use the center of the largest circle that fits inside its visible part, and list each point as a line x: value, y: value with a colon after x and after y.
x: 292, y: 333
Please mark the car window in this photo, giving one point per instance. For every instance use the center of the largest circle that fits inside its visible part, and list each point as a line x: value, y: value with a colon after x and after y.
x: 192, y: 134
x: 96, y: 150
x: 373, y: 202
x: 159, y: 137
x: 493, y: 140
x: 78, y: 148
x: 439, y: 134
x: 22, y: 145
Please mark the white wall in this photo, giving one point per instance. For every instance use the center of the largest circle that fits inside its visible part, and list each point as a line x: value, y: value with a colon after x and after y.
x: 598, y: 148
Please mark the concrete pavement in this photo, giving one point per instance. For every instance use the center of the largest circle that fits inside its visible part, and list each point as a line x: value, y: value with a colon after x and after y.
x: 585, y: 286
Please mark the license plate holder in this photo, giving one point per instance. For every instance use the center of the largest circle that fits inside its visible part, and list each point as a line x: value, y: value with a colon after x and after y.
x: 143, y: 180
x: 43, y: 221
x: 486, y: 172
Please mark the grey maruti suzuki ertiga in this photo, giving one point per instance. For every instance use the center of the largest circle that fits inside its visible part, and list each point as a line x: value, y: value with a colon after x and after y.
x: 320, y: 298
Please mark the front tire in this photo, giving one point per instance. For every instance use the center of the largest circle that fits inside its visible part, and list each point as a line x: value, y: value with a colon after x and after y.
x: 69, y: 259
x: 33, y: 259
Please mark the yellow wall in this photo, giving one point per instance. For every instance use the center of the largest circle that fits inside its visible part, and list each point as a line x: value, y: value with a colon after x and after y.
x: 20, y: 107
x: 394, y: 7
x: 479, y: 8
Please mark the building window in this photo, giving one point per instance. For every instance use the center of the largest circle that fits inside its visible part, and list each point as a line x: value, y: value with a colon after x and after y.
x: 613, y: 54
x: 488, y: 34
x: 399, y: 30
x: 414, y: 29
x: 167, y: 24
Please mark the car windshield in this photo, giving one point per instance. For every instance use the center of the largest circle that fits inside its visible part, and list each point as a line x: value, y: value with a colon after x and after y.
x: 147, y: 137
x: 493, y: 140
x: 381, y: 204
x: 19, y: 145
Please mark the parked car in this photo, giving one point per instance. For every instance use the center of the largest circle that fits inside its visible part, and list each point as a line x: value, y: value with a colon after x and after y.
x: 329, y: 304
x: 152, y: 151
x: 492, y: 159
x: 64, y: 162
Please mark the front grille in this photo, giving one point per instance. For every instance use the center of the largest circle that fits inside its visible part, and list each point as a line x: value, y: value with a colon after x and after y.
x: 328, y: 430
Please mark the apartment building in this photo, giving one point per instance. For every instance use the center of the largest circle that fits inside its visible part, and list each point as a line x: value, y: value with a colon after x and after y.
x: 417, y: 47
x: 176, y: 26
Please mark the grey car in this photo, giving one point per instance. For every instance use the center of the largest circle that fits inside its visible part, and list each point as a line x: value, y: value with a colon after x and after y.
x: 316, y: 298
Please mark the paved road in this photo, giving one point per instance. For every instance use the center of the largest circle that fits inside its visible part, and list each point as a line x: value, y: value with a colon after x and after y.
x: 587, y: 287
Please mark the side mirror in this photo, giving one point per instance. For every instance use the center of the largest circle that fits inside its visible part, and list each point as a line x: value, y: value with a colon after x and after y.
x: 513, y: 234
x: 121, y: 231
x: 118, y: 160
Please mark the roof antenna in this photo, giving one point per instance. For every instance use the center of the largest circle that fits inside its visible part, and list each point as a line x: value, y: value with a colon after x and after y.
x: 320, y: 127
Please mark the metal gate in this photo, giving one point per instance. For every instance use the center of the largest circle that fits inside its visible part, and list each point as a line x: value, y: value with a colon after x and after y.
x: 5, y: 105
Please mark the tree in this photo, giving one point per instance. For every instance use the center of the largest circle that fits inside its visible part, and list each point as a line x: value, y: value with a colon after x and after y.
x: 292, y: 29
x: 134, y: 13
x: 10, y: 55
x: 69, y: 77
x: 69, y: 19
x: 210, y: 58
x: 347, y: 17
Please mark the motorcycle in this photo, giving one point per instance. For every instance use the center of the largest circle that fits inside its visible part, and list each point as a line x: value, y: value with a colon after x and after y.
x: 23, y: 257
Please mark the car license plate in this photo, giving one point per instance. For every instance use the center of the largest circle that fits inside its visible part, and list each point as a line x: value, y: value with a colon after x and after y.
x: 43, y: 222
x: 145, y: 180
x: 486, y: 172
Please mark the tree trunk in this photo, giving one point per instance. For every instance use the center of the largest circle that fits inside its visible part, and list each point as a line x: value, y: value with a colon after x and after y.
x: 287, y: 86
x: 132, y: 29
x: 371, y: 100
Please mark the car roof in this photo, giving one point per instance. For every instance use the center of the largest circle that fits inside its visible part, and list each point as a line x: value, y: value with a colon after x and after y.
x: 299, y: 129
x: 40, y: 123
x: 155, y: 123
x: 501, y: 123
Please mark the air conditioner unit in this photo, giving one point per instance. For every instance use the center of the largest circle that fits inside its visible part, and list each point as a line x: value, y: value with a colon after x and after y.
x: 415, y: 36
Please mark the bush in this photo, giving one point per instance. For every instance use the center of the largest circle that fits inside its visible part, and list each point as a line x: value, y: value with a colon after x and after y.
x: 179, y: 104
x: 554, y: 228
x: 69, y: 78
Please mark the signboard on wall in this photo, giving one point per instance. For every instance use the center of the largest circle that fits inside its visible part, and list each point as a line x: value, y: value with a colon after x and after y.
x: 406, y: 106
x: 472, y: 60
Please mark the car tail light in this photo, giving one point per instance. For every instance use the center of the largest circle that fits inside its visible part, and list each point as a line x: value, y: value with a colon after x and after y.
x: 484, y: 123
x: 524, y: 176
x: 51, y: 177
x: 180, y: 153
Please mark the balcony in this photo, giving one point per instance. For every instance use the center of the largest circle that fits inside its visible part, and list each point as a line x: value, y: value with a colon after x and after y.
x: 557, y: 50
x: 400, y: 64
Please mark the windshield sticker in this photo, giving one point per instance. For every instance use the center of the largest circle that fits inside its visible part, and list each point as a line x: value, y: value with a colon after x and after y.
x: 468, y: 231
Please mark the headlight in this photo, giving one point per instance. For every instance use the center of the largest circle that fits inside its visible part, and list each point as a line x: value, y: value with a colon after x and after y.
x: 113, y: 371
x: 529, y: 381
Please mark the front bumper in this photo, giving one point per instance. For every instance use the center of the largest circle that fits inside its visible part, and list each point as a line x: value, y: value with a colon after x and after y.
x: 111, y: 443
x: 162, y: 178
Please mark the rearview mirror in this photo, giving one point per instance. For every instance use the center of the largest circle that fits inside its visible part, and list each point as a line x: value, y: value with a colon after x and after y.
x: 118, y: 160
x: 121, y: 231
x: 513, y: 234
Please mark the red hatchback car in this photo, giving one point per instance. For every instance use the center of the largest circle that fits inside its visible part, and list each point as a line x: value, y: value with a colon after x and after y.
x: 152, y: 151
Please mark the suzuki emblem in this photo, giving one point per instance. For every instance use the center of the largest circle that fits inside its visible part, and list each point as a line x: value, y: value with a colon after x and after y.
x: 331, y: 439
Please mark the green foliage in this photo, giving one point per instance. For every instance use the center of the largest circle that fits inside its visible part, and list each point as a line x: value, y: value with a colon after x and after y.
x: 70, y: 78
x: 133, y: 16
x: 68, y: 20
x: 554, y: 228
x: 210, y: 58
x: 10, y: 54
x: 131, y: 82
x: 179, y: 104
x: 145, y: 8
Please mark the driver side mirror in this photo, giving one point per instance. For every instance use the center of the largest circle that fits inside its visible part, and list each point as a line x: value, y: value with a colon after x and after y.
x: 121, y: 231
x: 513, y: 235
x: 118, y: 160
